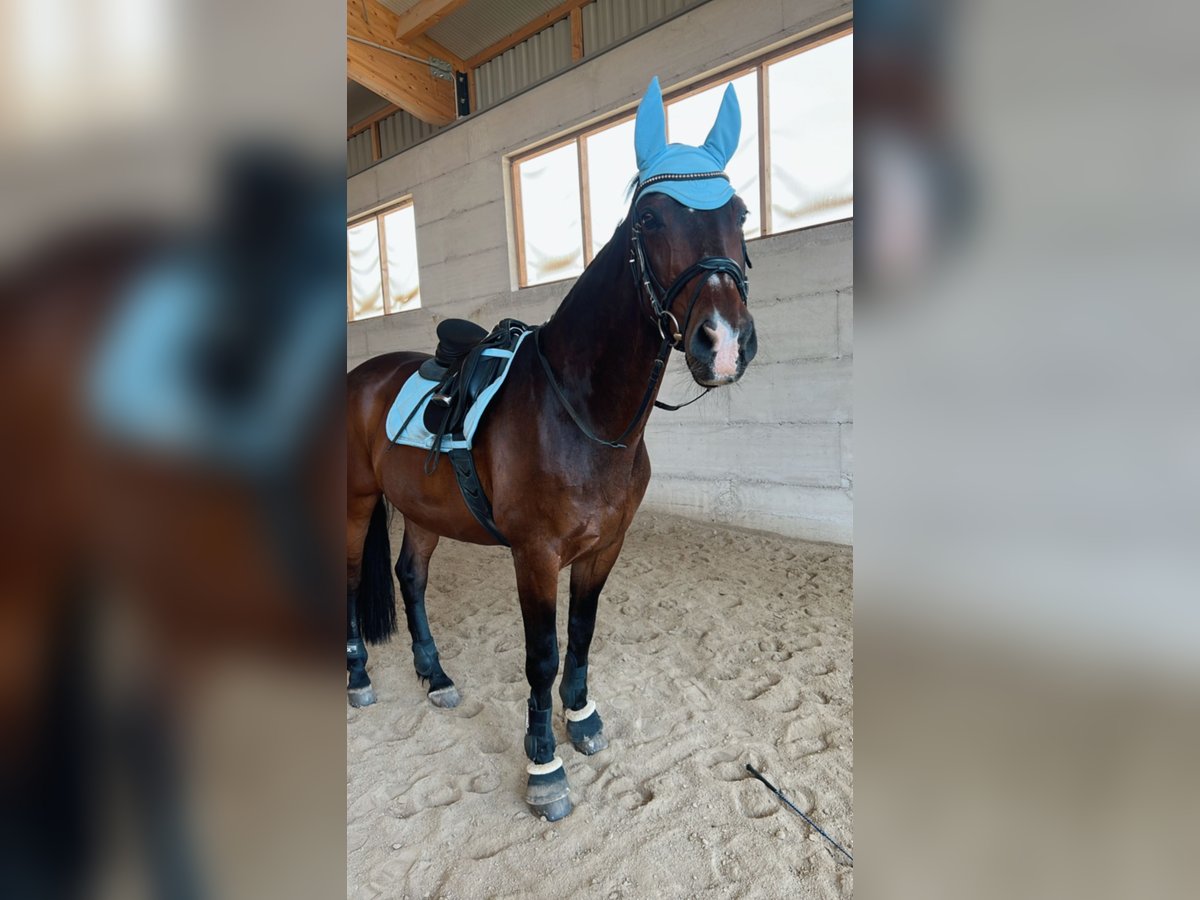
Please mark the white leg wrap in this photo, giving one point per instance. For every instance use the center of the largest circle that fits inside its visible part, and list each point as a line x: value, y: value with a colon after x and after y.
x: 544, y: 768
x: 578, y: 715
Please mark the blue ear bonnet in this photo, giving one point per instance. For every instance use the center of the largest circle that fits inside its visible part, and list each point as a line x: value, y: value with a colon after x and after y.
x: 655, y: 157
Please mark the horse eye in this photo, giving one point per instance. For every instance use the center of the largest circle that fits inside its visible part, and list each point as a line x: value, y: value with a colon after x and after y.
x: 649, y: 220
x: 745, y: 214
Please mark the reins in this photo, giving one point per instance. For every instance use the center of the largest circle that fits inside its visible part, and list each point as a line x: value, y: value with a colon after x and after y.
x: 660, y: 302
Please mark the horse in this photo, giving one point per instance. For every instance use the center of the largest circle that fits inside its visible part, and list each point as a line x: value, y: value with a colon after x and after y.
x: 560, y: 451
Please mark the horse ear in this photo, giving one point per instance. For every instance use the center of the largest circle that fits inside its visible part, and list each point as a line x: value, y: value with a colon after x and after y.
x: 722, y: 140
x: 650, y: 131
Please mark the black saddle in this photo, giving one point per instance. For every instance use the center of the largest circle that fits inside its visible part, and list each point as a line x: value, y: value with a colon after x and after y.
x: 462, y: 372
x: 456, y: 338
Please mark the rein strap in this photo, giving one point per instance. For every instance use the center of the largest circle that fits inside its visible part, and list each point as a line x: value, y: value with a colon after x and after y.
x: 660, y: 363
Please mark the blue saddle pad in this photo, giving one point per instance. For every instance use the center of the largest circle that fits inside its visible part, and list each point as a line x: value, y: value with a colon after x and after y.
x: 417, y: 392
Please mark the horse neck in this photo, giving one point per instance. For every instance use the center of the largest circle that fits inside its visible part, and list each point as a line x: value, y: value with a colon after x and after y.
x: 601, y: 344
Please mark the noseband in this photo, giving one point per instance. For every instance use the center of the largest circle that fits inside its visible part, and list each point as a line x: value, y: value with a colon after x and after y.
x: 660, y: 313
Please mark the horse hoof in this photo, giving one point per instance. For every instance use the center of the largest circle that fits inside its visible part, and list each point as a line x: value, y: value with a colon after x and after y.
x: 553, y: 811
x: 587, y: 734
x: 359, y: 697
x: 589, y: 745
x: 548, y: 792
x: 445, y: 698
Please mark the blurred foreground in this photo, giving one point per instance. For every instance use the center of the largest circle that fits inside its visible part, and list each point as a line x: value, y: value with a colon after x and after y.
x: 171, y: 343
x: 1027, y: 620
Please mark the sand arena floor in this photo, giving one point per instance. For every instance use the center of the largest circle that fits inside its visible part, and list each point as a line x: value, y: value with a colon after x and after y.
x: 714, y: 647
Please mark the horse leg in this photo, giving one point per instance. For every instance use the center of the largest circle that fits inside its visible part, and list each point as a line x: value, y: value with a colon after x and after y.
x: 537, y: 584
x: 588, y: 576
x: 412, y: 571
x: 358, y: 688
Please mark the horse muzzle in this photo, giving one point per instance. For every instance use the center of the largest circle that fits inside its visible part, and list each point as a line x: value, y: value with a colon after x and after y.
x: 719, y: 352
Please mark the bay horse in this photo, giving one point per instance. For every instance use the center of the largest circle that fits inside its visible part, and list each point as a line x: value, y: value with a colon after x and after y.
x: 561, y: 451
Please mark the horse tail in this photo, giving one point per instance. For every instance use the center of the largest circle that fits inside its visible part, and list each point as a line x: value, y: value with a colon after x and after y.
x: 377, y: 590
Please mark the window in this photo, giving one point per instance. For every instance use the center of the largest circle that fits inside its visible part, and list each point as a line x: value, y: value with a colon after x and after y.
x: 552, y: 243
x: 381, y: 263
x: 688, y: 122
x: 812, y: 136
x: 570, y: 195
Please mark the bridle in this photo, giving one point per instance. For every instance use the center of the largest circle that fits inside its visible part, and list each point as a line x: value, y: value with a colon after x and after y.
x: 660, y: 301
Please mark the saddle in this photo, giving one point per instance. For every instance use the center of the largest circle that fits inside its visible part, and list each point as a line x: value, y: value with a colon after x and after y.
x: 463, y: 366
x: 462, y: 369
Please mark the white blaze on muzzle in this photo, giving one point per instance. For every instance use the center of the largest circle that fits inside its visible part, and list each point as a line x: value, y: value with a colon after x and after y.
x: 724, y: 340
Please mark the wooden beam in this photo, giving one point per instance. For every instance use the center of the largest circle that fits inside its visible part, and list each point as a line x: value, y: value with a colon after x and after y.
x: 422, y: 16
x: 379, y: 25
x: 577, y: 33
x: 585, y: 200
x: 408, y: 84
x: 364, y: 124
x: 562, y: 11
x: 427, y: 46
x: 386, y: 288
x: 519, y: 224
x: 765, y: 224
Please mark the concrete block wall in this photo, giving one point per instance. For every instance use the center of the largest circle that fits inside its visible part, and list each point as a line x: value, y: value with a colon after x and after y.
x: 774, y: 451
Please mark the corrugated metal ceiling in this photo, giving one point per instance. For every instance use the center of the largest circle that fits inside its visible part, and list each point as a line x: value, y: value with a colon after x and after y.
x: 481, y: 23
x: 608, y: 22
x: 399, y: 7
x: 540, y: 56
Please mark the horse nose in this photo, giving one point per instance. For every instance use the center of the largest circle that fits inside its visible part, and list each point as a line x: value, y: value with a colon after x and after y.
x: 717, y: 343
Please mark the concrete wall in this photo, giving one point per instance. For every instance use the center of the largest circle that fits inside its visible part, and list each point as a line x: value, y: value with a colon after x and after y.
x: 773, y: 452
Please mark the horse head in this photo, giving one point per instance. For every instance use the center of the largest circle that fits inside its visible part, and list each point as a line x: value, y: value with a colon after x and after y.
x: 688, y: 250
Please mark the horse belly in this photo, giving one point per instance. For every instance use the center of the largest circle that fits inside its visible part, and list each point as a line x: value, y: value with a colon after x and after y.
x: 432, y: 501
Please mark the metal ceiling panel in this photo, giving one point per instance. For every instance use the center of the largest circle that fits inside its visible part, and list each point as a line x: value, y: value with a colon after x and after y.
x: 400, y: 131
x: 399, y: 7
x: 607, y: 22
x: 545, y: 53
x: 397, y: 132
x: 358, y: 153
x: 481, y: 23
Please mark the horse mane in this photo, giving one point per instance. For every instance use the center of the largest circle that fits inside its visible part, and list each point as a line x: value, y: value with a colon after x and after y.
x: 609, y: 267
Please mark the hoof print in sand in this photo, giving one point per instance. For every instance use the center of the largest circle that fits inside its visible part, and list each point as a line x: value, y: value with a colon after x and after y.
x: 428, y: 793
x: 630, y: 796
x: 482, y: 784
x: 760, y: 685
x: 723, y: 765
x: 754, y: 802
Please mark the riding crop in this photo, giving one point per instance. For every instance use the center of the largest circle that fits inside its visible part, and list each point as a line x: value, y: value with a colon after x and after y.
x: 757, y: 774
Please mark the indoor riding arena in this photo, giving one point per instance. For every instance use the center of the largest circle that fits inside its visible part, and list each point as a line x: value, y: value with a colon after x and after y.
x: 493, y: 148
